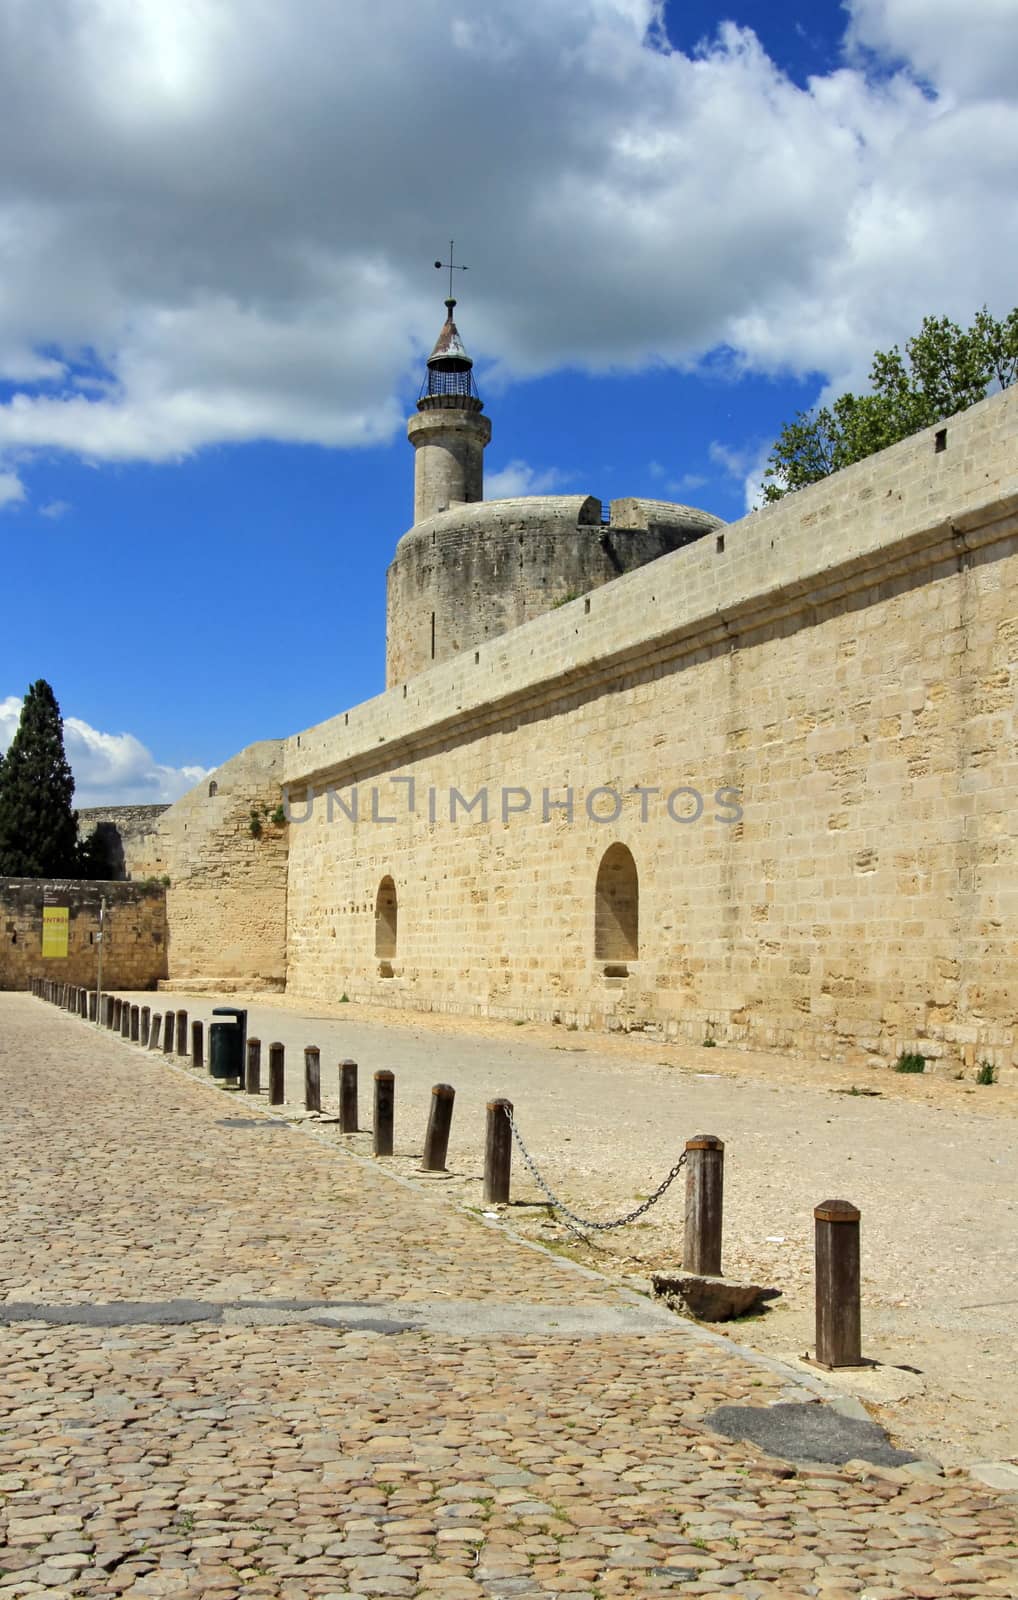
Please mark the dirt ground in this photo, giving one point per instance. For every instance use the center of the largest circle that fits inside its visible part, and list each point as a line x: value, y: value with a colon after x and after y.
x: 930, y: 1160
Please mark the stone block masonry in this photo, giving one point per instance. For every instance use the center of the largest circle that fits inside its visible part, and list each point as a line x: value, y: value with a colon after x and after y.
x: 844, y: 660
x: 460, y: 579
x: 126, y: 832
x: 134, y: 933
x: 225, y: 859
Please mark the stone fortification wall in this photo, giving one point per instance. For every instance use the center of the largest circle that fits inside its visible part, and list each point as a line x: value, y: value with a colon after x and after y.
x: 134, y: 933
x: 126, y: 832
x: 226, y: 863
x: 463, y: 578
x: 846, y: 661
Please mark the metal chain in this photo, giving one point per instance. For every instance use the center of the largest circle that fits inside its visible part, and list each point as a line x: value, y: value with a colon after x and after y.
x: 572, y: 1220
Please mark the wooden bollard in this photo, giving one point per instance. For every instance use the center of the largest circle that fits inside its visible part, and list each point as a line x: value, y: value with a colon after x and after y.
x: 109, y: 1011
x: 182, y: 1033
x: 197, y: 1044
x: 253, y: 1080
x: 125, y: 1021
x: 705, y: 1181
x: 312, y: 1078
x: 93, y: 1005
x: 144, y: 1021
x: 118, y: 1012
x: 498, y: 1152
x: 135, y: 1024
x: 839, y: 1320
x: 436, y: 1139
x: 153, y: 1038
x: 385, y: 1114
x: 168, y: 1032
x: 348, y: 1097
x: 82, y: 1002
x: 277, y: 1074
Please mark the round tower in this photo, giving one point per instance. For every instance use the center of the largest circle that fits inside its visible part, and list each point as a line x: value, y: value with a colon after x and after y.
x: 448, y: 433
x: 469, y: 570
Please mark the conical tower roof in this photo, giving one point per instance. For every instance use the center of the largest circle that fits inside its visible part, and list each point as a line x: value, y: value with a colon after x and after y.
x: 450, y: 370
x: 449, y: 354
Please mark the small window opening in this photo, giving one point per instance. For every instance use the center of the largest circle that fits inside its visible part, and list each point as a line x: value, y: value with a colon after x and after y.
x: 586, y: 606
x: 14, y: 937
x: 386, y: 917
x: 477, y: 657
x: 432, y: 636
x: 617, y: 908
x: 404, y: 691
x: 719, y: 544
x: 940, y: 440
x: 213, y: 789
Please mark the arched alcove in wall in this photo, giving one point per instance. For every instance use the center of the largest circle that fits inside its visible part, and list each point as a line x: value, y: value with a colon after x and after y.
x: 617, y: 907
x: 386, y: 915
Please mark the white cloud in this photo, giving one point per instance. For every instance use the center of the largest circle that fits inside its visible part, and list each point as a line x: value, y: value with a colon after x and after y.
x: 747, y: 464
x: 217, y: 218
x: 965, y: 47
x: 518, y: 478
x: 12, y: 490
x: 109, y: 768
x: 55, y: 510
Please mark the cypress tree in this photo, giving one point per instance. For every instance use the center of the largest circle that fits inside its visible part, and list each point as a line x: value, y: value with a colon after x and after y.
x: 38, y: 824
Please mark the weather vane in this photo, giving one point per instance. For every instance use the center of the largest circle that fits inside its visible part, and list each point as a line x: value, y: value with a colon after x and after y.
x: 452, y: 266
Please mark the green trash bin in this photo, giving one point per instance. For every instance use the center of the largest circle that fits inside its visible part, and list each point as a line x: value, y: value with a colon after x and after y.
x: 226, y: 1043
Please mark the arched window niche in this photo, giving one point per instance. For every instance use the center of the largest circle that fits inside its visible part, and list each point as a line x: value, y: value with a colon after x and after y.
x: 386, y: 917
x: 617, y: 911
x: 213, y: 789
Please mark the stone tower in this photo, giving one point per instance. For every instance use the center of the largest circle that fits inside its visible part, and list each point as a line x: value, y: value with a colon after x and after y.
x: 448, y: 433
x: 470, y: 570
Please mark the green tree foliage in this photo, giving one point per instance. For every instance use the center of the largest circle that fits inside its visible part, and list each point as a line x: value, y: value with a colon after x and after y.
x: 93, y: 858
x: 38, y: 825
x: 944, y: 369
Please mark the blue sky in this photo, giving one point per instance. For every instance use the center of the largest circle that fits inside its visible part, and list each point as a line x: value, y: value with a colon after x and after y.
x: 217, y: 228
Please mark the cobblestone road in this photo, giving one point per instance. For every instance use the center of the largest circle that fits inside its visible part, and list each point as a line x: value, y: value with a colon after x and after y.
x: 237, y: 1362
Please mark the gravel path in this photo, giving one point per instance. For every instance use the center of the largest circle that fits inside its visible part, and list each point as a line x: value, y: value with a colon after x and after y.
x: 931, y: 1162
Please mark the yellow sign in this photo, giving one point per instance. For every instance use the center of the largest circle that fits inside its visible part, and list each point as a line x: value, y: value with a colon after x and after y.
x: 54, y: 930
